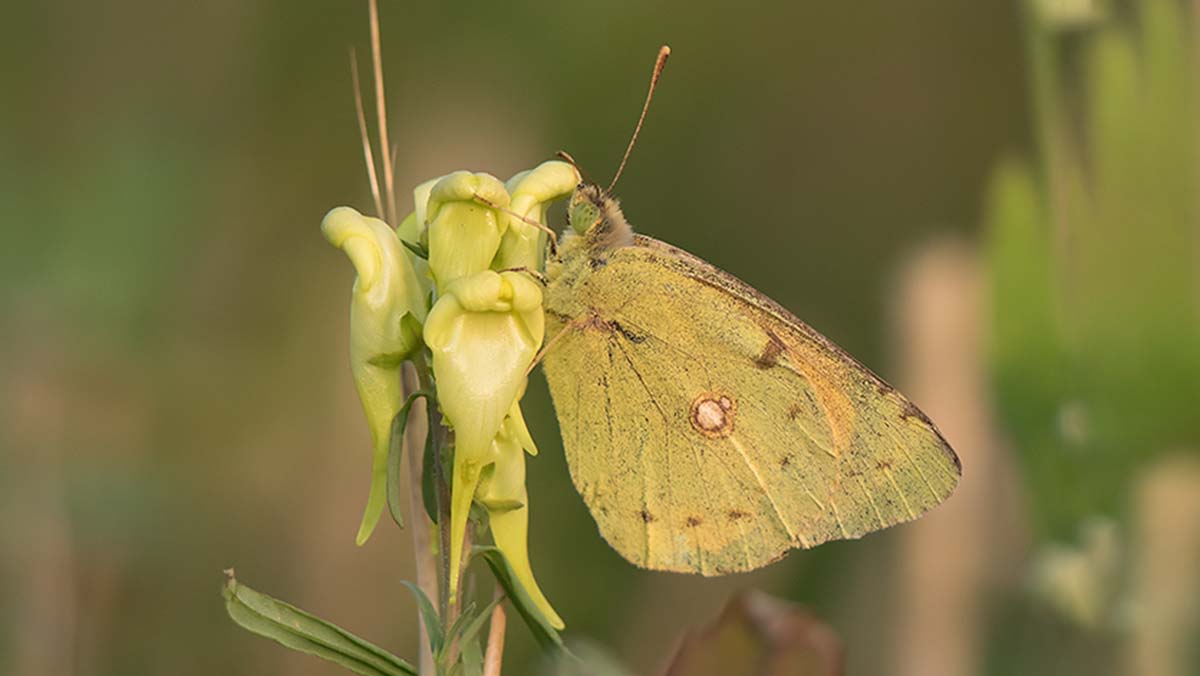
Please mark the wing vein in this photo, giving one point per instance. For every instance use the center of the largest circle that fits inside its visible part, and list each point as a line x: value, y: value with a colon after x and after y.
x: 644, y: 450
x: 838, y: 516
x: 871, y: 498
x: 649, y: 394
x: 920, y: 472
x: 792, y: 533
x: 728, y: 478
x: 907, y: 507
x: 624, y: 321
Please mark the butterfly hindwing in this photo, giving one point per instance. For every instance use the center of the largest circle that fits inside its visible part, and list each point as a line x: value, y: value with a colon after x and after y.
x: 710, y: 431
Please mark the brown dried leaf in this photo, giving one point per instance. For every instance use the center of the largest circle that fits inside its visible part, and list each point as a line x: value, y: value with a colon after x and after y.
x: 759, y: 635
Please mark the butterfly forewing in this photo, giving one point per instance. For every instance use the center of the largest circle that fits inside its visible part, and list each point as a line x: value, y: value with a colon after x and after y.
x: 710, y: 431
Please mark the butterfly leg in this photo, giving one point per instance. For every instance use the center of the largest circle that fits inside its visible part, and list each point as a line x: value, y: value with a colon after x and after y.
x: 529, y: 271
x: 576, y: 323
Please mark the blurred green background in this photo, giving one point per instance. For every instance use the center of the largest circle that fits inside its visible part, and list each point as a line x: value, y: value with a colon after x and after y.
x: 979, y: 200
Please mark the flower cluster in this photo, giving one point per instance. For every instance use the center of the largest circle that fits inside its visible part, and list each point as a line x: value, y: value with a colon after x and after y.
x: 456, y: 286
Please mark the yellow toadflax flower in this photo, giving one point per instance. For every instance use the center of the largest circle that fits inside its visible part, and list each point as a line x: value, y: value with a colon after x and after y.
x: 386, y: 311
x: 483, y: 334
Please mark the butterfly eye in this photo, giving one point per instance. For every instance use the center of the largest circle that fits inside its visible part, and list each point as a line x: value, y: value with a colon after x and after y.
x: 583, y: 215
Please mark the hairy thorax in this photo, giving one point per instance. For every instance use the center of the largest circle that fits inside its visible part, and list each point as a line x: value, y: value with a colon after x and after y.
x: 597, y: 232
x: 565, y: 296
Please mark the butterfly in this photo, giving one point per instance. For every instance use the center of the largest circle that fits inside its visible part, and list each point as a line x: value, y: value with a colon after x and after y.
x: 707, y: 428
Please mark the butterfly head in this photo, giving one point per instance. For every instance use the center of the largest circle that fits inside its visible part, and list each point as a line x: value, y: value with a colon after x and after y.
x: 587, y: 208
x: 593, y: 212
x: 597, y: 216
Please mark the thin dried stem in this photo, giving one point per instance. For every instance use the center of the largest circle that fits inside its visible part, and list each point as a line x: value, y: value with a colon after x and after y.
x: 368, y: 156
x: 495, y: 644
x: 426, y: 562
x: 389, y: 182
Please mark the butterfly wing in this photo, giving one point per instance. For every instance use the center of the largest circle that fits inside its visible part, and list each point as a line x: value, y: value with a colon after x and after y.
x: 710, y: 431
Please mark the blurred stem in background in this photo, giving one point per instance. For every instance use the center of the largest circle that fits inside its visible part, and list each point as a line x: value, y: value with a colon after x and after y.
x: 1095, y: 328
x: 970, y: 549
x: 33, y: 419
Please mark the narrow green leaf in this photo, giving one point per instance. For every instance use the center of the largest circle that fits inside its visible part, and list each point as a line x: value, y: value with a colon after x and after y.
x: 545, y: 634
x: 428, y: 477
x: 472, y: 658
x: 415, y: 247
x: 433, y: 624
x: 464, y: 631
x: 478, y: 621
x: 395, y: 454
x: 301, y: 631
x: 464, y: 617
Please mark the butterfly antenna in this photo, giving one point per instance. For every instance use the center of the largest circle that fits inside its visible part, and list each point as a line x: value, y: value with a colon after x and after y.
x: 368, y: 156
x: 566, y: 156
x: 659, y: 64
x: 389, y: 182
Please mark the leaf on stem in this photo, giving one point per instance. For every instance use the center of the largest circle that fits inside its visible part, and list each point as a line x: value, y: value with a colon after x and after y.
x: 416, y: 248
x: 464, y: 632
x: 545, y: 633
x: 395, y: 454
x: 470, y: 628
x: 472, y: 658
x: 433, y: 624
x: 455, y: 629
x: 429, y: 494
x: 301, y: 631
